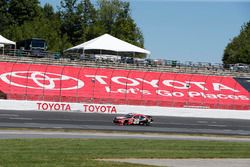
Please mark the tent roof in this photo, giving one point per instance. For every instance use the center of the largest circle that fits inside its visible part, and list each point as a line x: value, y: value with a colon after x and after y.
x: 108, y: 42
x: 6, y: 41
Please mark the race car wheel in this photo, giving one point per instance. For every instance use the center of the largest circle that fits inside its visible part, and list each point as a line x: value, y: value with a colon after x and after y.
x: 125, y: 123
x: 147, y: 123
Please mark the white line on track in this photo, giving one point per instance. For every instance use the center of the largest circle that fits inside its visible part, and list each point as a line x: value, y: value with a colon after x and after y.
x: 9, y: 115
x: 58, y: 134
x: 202, y: 122
x: 218, y: 125
x: 22, y: 118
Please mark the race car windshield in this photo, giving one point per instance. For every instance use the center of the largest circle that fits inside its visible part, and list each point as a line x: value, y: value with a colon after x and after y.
x: 128, y: 116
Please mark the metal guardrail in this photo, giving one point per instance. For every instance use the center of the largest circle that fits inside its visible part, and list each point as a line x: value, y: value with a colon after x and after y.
x: 163, y: 66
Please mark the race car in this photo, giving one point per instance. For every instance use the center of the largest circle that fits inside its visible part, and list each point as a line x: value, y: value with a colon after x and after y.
x: 133, y: 119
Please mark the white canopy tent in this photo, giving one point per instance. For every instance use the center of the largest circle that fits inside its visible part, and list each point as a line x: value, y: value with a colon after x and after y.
x: 109, y: 43
x: 4, y: 41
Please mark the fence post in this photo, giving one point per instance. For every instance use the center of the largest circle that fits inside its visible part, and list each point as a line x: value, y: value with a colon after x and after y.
x: 93, y: 88
x: 60, y: 95
x: 26, y: 88
x: 43, y: 96
x: 77, y: 90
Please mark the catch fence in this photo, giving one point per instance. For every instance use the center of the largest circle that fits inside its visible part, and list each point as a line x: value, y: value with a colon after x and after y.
x: 106, y: 85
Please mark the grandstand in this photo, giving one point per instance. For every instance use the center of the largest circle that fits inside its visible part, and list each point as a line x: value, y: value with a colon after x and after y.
x: 167, y: 66
x: 176, y: 84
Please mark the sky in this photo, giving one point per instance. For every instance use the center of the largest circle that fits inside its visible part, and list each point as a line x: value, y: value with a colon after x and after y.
x: 185, y: 30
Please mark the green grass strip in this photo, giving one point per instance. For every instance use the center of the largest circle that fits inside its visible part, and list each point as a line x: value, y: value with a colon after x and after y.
x: 83, y: 152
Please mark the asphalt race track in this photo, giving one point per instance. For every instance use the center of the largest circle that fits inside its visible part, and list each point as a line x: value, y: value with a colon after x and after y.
x: 93, y: 121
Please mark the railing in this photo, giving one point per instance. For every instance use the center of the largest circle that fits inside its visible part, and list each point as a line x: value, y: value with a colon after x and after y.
x: 148, y: 65
x: 39, y: 75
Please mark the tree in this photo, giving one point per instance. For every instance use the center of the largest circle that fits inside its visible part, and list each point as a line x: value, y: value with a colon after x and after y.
x: 77, y: 20
x: 238, y: 50
x: 46, y: 25
x: 126, y: 29
x: 40, y: 28
x: 23, y: 10
x: 4, y: 14
x: 114, y: 16
x: 48, y: 11
x: 108, y: 12
x: 88, y: 18
x: 72, y: 24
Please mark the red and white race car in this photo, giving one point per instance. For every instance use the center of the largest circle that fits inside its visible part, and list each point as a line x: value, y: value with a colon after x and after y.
x: 133, y: 119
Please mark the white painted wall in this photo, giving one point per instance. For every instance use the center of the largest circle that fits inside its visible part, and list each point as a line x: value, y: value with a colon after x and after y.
x: 122, y: 109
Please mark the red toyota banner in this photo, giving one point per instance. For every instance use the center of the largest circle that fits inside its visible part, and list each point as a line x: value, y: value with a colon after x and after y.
x: 133, y: 87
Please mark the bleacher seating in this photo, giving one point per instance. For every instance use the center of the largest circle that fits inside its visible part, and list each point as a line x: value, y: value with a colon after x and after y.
x: 211, y: 69
x: 27, y: 78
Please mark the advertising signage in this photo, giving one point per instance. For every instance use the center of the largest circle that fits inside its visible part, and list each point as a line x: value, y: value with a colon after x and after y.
x: 123, y: 86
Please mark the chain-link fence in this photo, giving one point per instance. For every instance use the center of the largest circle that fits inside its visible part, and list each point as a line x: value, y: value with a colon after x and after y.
x: 46, y: 79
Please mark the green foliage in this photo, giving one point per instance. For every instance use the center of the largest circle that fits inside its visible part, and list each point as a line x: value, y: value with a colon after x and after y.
x: 76, y: 21
x: 72, y: 23
x: 48, y: 11
x: 4, y: 14
x: 39, y: 28
x: 238, y: 50
x: 114, y: 16
x: 23, y: 10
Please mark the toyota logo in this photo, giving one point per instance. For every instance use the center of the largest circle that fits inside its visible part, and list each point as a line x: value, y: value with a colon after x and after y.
x: 41, y: 80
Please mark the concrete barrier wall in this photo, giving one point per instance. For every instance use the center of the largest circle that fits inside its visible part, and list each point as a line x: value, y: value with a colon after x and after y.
x: 44, y: 106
